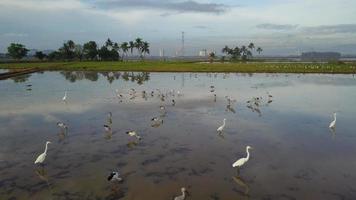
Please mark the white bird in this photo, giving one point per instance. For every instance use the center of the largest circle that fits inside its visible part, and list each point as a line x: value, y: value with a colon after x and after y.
x: 41, y: 158
x: 65, y: 96
x: 240, y: 162
x: 107, y: 128
x: 333, y: 123
x: 133, y: 134
x: 62, y: 125
x: 181, y: 197
x: 221, y: 128
x: 114, y: 176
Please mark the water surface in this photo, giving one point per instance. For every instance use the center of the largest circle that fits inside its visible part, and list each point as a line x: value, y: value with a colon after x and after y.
x: 295, y: 155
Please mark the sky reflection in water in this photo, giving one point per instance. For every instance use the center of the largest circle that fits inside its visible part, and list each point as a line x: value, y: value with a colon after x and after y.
x: 295, y: 155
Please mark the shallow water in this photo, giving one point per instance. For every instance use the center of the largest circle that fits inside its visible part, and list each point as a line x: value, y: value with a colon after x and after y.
x: 295, y: 155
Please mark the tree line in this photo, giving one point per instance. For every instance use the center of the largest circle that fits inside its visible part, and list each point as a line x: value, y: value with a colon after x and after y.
x: 241, y: 53
x: 110, y: 51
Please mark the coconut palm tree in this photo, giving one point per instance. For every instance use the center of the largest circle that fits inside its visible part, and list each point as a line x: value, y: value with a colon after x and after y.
x: 251, y: 46
x: 226, y: 50
x: 131, y: 46
x: 125, y: 48
x: 145, y: 48
x: 259, y: 50
x: 138, y: 45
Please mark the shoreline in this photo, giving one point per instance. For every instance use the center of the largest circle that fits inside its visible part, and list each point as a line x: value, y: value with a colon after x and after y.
x: 216, y: 67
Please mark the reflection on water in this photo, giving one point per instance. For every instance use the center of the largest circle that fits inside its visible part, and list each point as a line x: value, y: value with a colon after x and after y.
x: 285, y: 119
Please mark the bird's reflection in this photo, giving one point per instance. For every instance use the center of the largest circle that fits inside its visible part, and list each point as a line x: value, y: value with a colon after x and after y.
x: 333, y: 132
x: 62, y: 135
x: 42, y: 175
x: 242, y: 183
x: 132, y: 144
x: 108, y: 135
x: 221, y: 135
x: 230, y: 108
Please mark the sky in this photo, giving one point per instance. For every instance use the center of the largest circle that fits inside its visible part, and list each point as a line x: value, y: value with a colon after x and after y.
x: 280, y: 27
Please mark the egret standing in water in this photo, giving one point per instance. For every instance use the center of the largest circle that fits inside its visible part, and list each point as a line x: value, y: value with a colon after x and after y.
x: 41, y: 158
x: 62, y: 125
x: 333, y: 123
x: 65, y: 96
x: 181, y: 197
x: 133, y: 134
x: 114, y: 176
x: 240, y: 162
x: 221, y: 128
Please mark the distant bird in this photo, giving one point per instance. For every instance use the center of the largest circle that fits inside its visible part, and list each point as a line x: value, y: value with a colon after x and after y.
x: 107, y: 128
x: 214, y: 97
x: 41, y: 158
x: 173, y: 102
x: 65, y: 96
x: 162, y: 108
x: 181, y: 197
x: 133, y: 134
x: 333, y: 123
x: 221, y: 128
x: 269, y: 95
x: 240, y: 162
x: 62, y: 125
x: 157, y: 119
x: 114, y: 176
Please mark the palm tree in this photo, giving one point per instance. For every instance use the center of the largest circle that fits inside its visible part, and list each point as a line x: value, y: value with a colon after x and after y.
x: 125, y: 48
x: 108, y: 43
x: 145, y: 48
x: 131, y: 46
x: 251, y: 46
x: 244, y: 52
x: 226, y: 50
x: 138, y: 45
x: 259, y: 50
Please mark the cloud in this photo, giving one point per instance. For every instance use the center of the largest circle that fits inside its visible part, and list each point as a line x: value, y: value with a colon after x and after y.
x: 277, y: 27
x: 201, y: 27
x: 14, y: 35
x: 331, y: 29
x: 170, y: 5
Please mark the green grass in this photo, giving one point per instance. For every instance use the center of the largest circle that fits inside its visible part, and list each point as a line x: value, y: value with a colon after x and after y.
x: 159, y: 66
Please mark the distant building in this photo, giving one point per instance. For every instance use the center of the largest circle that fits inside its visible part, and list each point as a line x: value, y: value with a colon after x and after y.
x: 205, y: 53
x: 320, y: 56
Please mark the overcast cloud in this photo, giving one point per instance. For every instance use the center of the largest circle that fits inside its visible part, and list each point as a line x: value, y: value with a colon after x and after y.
x: 279, y: 26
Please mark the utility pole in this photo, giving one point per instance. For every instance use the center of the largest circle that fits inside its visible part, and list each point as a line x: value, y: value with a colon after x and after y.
x: 182, y: 50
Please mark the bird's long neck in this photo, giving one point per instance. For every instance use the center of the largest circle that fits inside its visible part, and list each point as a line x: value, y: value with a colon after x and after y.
x: 46, y: 148
x: 248, y: 154
x: 183, y: 194
x: 224, y: 123
x: 335, y: 117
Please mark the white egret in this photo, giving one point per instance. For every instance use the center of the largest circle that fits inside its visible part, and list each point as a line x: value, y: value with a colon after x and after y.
x: 62, y: 125
x: 221, y: 128
x: 107, y: 128
x: 133, y: 134
x: 333, y: 123
x: 181, y: 197
x: 41, y: 158
x: 65, y: 96
x: 240, y: 162
x: 114, y: 176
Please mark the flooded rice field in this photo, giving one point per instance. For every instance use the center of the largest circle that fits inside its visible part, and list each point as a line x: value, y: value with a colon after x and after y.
x: 160, y: 134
